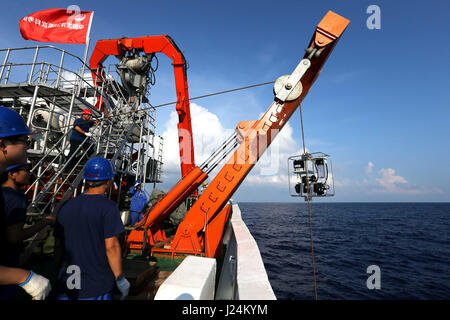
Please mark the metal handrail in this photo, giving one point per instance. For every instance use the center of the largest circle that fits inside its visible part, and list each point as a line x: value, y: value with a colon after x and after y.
x: 104, y: 86
x: 58, y: 69
x: 49, y: 165
x: 8, y: 50
x: 79, y: 78
x: 37, y: 165
x: 42, y: 76
x: 45, y: 46
x: 65, y: 180
x: 55, y: 179
x: 114, y: 85
x: 52, y: 181
x: 77, y: 180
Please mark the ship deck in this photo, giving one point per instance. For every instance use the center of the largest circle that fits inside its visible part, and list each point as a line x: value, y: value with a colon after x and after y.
x: 145, y: 273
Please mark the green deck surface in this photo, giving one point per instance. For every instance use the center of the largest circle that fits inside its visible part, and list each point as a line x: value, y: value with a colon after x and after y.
x: 163, y: 263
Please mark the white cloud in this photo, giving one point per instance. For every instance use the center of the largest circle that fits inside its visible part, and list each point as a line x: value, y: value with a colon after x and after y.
x: 369, y: 168
x: 209, y: 133
x: 385, y: 181
x: 388, y: 181
x: 344, y: 183
x: 272, y: 166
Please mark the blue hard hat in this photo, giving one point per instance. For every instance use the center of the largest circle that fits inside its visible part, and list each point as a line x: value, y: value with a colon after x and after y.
x: 14, y: 166
x: 98, y: 169
x: 12, y: 124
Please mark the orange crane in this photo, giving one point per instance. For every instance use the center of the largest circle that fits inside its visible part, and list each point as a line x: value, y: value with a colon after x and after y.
x: 202, y: 229
x: 135, y: 55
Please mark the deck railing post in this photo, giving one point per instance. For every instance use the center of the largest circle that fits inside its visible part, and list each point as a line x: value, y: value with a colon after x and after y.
x: 33, y: 103
x: 4, y: 63
x: 58, y: 79
x: 8, y: 72
x: 69, y: 116
x: 30, y: 78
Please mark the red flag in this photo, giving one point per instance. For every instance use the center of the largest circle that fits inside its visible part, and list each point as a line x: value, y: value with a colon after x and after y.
x: 57, y: 25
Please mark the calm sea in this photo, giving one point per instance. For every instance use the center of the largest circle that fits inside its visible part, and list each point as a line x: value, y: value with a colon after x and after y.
x: 409, y: 242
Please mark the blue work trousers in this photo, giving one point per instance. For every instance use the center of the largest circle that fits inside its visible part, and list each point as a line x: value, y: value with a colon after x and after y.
x: 135, y: 217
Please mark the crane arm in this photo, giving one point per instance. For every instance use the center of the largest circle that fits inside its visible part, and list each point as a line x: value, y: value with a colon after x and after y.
x: 153, y: 44
x: 256, y: 137
x: 203, y: 226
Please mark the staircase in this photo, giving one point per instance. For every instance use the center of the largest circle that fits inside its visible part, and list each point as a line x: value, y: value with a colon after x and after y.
x: 52, y: 86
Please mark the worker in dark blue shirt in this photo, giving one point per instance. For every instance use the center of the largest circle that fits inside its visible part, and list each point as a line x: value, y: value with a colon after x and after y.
x: 86, y: 230
x: 13, y: 182
x: 13, y: 150
x: 138, y: 203
x: 80, y: 132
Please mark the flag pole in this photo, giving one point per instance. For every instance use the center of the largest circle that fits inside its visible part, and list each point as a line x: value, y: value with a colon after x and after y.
x: 86, y: 49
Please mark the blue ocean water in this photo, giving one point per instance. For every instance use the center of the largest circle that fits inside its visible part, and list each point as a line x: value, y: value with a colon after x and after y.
x: 409, y: 242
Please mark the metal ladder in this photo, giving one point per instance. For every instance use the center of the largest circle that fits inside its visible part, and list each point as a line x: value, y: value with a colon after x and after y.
x: 58, y: 181
x: 54, y: 86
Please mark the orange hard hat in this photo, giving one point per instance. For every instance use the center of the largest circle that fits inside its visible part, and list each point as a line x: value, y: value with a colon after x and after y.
x: 87, y: 111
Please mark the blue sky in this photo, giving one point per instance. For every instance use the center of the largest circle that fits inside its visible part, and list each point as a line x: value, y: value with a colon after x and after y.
x: 380, y: 107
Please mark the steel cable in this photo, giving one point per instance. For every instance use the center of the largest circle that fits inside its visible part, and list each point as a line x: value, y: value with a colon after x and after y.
x: 308, y: 198
x: 174, y: 102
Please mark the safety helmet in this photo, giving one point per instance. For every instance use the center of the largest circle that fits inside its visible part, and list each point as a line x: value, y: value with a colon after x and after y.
x: 87, y: 111
x: 16, y: 166
x: 12, y: 124
x: 98, y: 169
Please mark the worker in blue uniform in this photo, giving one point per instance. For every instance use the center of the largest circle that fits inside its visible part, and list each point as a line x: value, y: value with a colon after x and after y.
x: 80, y: 136
x: 13, y: 150
x: 87, y: 229
x: 13, y: 182
x: 138, y: 202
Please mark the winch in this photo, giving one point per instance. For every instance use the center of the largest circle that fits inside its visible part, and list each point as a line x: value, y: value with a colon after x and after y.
x: 136, y: 72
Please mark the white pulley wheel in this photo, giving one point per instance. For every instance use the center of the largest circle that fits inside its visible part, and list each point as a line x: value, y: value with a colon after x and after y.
x: 282, y: 83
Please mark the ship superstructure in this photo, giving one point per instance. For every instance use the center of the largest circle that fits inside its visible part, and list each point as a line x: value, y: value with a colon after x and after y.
x: 50, y: 88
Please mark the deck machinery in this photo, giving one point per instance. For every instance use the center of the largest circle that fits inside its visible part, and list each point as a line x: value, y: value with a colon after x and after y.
x: 49, y: 95
x: 48, y: 88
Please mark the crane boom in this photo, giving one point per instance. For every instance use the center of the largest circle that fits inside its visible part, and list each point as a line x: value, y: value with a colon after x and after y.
x: 257, y: 136
x: 202, y: 228
x: 150, y: 45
